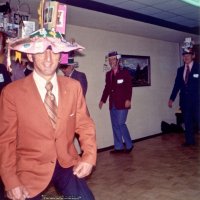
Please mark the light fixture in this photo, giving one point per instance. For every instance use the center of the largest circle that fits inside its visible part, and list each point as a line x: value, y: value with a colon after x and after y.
x: 193, y: 2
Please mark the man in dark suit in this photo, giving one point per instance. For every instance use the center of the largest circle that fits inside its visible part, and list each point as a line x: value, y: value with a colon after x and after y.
x: 187, y: 82
x: 69, y: 70
x: 4, y: 77
x: 118, y: 88
x: 39, y: 149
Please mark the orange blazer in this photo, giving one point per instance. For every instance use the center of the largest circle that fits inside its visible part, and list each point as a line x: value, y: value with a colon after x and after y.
x: 29, y: 146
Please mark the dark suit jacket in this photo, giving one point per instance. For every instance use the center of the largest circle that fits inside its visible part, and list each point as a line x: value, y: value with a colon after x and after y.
x: 118, y: 88
x: 188, y: 93
x: 81, y: 77
x: 4, y: 77
x: 29, y: 146
x: 27, y: 71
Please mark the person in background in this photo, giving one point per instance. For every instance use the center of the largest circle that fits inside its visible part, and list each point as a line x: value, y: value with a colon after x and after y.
x: 17, y: 70
x: 27, y: 68
x: 39, y: 116
x: 69, y: 70
x: 118, y: 88
x: 5, y: 78
x: 4, y: 74
x: 187, y: 82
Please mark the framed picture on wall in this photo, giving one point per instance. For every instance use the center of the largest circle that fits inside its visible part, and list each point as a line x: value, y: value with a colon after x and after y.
x: 139, y: 68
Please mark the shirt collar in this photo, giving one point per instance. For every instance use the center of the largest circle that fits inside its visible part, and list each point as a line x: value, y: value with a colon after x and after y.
x: 71, y: 73
x: 41, y: 82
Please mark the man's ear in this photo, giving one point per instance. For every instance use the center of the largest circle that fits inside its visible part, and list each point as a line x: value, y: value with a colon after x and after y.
x: 30, y: 57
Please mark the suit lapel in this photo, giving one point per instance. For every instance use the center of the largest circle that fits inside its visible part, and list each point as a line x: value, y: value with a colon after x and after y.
x: 194, y: 70
x: 63, y: 93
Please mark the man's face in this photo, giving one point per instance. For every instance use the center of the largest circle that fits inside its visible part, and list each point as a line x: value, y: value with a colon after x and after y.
x: 67, y: 70
x: 113, y: 62
x: 45, y: 64
x: 187, y: 58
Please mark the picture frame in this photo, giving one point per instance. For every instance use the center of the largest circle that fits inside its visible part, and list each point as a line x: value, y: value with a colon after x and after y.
x: 139, y: 68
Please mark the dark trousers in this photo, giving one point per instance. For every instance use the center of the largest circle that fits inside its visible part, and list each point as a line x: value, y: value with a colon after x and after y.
x: 191, y: 121
x: 1, y: 190
x: 68, y: 186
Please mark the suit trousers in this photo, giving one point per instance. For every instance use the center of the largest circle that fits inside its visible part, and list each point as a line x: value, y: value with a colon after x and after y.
x: 120, y: 130
x: 191, y: 121
x: 68, y: 186
x: 2, y: 196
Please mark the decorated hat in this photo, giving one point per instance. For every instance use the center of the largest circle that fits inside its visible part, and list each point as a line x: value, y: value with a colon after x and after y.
x: 69, y: 62
x: 42, y: 39
x: 72, y: 62
x: 114, y: 53
x: 188, y: 46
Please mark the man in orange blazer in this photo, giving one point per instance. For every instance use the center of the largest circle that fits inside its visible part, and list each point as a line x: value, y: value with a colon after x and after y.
x: 33, y: 152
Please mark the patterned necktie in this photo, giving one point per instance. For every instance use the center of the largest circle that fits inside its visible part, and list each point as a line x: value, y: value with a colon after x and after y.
x: 50, y: 104
x: 187, y: 74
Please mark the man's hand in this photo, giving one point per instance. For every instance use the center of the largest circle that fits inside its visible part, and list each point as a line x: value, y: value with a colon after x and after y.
x: 170, y: 103
x: 100, y: 104
x: 18, y: 193
x: 82, y: 169
x: 127, y: 104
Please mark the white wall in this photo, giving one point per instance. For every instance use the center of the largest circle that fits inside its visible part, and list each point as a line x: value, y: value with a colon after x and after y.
x: 149, y: 104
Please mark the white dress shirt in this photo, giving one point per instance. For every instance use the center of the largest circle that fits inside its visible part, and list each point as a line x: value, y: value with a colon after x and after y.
x: 185, y: 69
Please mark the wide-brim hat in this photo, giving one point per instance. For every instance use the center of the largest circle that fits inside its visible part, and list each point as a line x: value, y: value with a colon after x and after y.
x: 69, y: 62
x: 42, y: 39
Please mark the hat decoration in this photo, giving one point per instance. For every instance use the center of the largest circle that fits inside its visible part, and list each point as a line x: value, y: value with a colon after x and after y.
x: 188, y: 46
x: 44, y: 38
x: 40, y: 40
x: 72, y: 62
x: 68, y: 62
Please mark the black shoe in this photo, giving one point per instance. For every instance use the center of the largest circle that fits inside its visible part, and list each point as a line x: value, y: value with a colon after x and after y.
x: 188, y: 144
x: 129, y: 150
x: 116, y: 151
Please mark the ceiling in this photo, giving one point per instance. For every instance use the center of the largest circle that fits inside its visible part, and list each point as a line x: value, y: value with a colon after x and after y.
x: 166, y: 20
x: 174, y: 11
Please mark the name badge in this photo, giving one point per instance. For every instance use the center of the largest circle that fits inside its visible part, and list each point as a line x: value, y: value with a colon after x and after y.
x: 119, y: 81
x: 196, y: 75
x: 1, y: 78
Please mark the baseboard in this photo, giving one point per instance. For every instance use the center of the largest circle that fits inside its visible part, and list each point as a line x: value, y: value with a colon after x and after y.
x: 136, y: 140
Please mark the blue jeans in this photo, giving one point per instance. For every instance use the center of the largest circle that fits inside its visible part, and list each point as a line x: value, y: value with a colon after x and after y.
x: 120, y: 130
